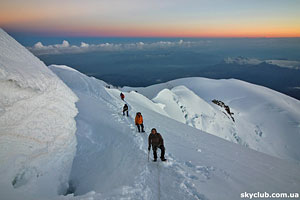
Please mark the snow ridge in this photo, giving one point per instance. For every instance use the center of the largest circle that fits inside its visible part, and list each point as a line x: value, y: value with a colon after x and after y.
x: 37, y: 125
x: 185, y: 106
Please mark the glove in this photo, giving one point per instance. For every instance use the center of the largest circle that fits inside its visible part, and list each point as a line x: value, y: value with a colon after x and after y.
x: 148, y: 148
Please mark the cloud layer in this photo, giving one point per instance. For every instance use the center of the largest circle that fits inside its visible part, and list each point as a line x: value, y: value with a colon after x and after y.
x: 65, y: 47
x: 253, y: 61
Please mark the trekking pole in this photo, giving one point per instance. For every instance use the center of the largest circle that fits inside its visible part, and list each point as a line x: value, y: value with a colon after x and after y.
x: 148, y: 154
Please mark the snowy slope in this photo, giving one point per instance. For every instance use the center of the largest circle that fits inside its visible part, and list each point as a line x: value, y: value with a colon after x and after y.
x: 185, y: 106
x: 265, y: 120
x: 37, y: 125
x: 111, y: 159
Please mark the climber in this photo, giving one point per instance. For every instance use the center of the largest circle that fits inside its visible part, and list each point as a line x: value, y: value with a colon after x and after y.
x: 139, y: 122
x: 122, y: 96
x: 155, y: 139
x: 125, y: 109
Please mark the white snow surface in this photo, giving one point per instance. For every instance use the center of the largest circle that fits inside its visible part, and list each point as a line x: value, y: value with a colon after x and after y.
x: 111, y: 159
x: 265, y: 120
x: 37, y: 126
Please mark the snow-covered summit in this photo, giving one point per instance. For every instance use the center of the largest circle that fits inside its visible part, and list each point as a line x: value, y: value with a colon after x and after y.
x: 264, y: 120
x: 37, y: 125
x: 183, y: 105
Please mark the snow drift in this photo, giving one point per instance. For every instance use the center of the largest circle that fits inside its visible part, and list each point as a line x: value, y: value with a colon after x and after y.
x: 37, y: 125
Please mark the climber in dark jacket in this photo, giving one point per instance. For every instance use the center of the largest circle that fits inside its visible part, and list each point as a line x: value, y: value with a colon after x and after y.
x: 125, y: 109
x: 155, y: 139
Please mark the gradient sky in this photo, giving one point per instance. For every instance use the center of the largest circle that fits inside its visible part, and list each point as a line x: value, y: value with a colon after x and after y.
x: 153, y: 18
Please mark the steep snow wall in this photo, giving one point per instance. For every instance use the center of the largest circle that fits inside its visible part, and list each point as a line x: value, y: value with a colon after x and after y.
x: 37, y: 126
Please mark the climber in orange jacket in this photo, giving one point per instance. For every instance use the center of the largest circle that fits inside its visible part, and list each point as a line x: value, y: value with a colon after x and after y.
x: 139, y: 122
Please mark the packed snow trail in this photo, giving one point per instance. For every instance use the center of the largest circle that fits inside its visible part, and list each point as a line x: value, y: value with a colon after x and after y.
x: 188, y: 191
x: 107, y: 155
x: 141, y: 142
x: 141, y: 138
x: 158, y: 180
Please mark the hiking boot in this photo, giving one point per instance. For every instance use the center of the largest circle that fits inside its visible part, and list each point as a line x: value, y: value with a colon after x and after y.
x: 163, y: 159
x: 154, y: 160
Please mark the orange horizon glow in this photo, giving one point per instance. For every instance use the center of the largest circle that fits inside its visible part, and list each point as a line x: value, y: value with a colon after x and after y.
x: 204, y: 19
x: 171, y: 33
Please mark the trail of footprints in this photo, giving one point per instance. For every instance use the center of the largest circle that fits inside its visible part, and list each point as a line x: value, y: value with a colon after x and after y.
x: 186, y: 177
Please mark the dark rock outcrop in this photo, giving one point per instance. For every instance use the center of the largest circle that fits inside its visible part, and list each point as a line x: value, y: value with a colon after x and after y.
x: 223, y: 105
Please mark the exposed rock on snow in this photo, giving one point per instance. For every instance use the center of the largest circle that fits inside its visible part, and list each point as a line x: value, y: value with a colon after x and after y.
x: 37, y: 126
x: 185, y: 106
x: 223, y: 105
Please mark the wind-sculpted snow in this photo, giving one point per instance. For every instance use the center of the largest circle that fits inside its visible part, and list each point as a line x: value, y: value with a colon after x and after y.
x: 37, y: 126
x: 18, y: 64
x: 265, y: 120
x: 80, y: 82
x: 185, y: 106
x: 111, y: 159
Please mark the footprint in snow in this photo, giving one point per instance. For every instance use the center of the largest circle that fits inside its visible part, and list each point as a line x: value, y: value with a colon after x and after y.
x: 205, y: 171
